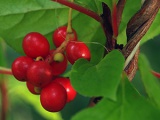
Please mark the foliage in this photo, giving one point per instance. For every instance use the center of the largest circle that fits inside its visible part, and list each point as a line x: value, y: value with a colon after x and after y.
x: 129, y: 106
x: 103, y: 76
x: 91, y: 80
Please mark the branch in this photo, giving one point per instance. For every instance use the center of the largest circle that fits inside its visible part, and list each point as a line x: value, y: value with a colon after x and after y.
x: 80, y: 9
x: 139, y: 25
x: 107, y: 26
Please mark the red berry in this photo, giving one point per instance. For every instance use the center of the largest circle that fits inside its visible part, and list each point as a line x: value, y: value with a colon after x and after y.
x: 65, y: 82
x: 59, y: 35
x: 20, y: 66
x: 59, y: 67
x: 39, y: 73
x: 35, y: 45
x: 76, y: 50
x: 33, y: 89
x: 53, y: 97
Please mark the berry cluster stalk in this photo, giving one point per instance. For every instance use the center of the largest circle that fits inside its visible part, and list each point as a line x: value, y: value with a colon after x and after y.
x: 69, y: 26
x: 69, y: 35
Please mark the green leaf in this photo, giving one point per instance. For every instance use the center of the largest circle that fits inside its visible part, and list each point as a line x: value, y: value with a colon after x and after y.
x: 101, y: 79
x: 92, y: 35
x: 129, y: 106
x: 21, y: 17
x: 93, y: 5
x: 129, y: 10
x: 151, y: 83
x: 153, y: 31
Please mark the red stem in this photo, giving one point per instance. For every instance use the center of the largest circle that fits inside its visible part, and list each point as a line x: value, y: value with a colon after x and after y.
x: 120, y: 8
x: 8, y: 72
x: 80, y: 9
x: 156, y: 74
x: 114, y: 20
x: 4, y: 101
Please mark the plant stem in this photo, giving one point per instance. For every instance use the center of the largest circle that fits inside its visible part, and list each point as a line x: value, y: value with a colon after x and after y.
x: 80, y: 9
x: 156, y: 74
x: 60, y: 49
x: 120, y: 8
x: 5, y: 71
x: 4, y: 101
x: 103, y: 19
x: 114, y: 20
x: 69, y: 27
x: 139, y: 25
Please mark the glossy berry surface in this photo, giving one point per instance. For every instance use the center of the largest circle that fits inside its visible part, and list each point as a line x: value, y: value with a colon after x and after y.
x: 35, y: 45
x: 59, y: 35
x: 65, y: 82
x: 33, y: 89
x: 53, y: 97
x: 76, y: 50
x: 59, y: 67
x: 39, y: 73
x: 20, y: 66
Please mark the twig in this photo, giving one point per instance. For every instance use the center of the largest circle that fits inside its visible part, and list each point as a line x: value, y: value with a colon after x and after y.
x: 80, y: 9
x: 139, y: 25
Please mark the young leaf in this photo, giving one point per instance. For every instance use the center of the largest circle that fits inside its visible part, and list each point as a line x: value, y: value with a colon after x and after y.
x: 150, y: 82
x: 101, y: 79
x: 129, y: 106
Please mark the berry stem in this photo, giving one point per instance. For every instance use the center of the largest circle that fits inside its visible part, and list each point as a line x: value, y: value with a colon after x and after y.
x: 94, y: 15
x: 69, y: 27
x: 80, y: 9
x: 60, y: 49
x: 5, y: 71
x: 69, y: 35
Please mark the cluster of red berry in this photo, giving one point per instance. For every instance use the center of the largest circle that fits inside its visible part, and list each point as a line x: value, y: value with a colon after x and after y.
x: 41, y: 67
